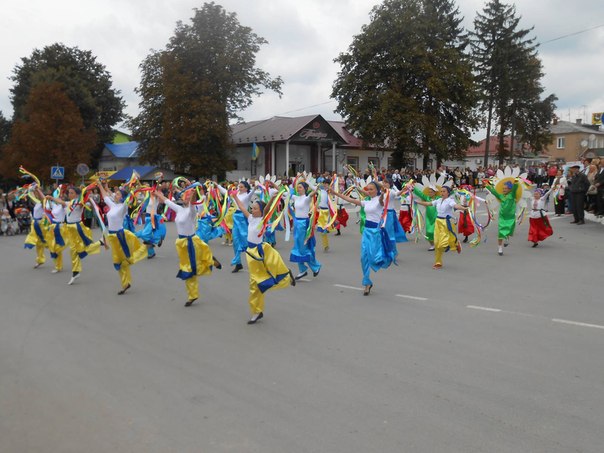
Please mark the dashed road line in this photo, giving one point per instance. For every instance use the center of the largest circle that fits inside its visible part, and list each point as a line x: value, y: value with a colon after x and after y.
x: 580, y: 324
x: 477, y: 307
x: 349, y: 287
x: 405, y: 296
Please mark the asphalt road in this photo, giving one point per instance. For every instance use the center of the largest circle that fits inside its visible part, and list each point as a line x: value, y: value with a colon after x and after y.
x: 491, y: 354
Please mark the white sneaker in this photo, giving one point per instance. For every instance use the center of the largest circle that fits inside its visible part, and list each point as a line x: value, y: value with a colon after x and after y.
x: 431, y: 249
x: 500, y: 250
x: 55, y: 271
x: 73, y: 279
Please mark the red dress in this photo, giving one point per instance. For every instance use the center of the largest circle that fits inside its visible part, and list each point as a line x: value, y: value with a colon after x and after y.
x: 342, y: 217
x: 540, y: 229
x: 405, y: 219
x: 465, y: 225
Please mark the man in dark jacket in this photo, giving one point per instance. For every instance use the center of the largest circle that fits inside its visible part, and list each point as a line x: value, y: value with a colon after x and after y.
x: 579, y: 185
x: 599, y: 183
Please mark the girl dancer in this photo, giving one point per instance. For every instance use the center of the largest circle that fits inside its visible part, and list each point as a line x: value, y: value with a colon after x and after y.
x: 126, y: 249
x: 429, y: 195
x: 303, y: 251
x: 154, y: 230
x: 194, y: 255
x: 266, y: 267
x: 540, y: 226
x: 507, y: 212
x: 239, y: 232
x: 405, y: 217
x: 324, y: 216
x: 393, y: 227
x: 78, y: 235
x: 56, y: 242
x: 376, y: 251
x: 205, y: 221
x: 445, y: 236
x: 38, y: 235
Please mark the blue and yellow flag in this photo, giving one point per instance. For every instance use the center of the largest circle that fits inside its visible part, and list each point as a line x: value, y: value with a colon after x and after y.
x: 255, y: 151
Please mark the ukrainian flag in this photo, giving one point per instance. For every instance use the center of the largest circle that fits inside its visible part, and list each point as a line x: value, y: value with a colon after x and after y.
x: 255, y: 151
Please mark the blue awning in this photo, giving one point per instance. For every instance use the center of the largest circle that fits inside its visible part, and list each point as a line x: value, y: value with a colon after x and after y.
x: 126, y: 173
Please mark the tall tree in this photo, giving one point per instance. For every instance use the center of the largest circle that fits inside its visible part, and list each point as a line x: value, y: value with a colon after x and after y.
x: 191, y: 89
x: 406, y: 80
x: 509, y: 74
x: 4, y: 134
x: 87, y: 83
x: 50, y: 131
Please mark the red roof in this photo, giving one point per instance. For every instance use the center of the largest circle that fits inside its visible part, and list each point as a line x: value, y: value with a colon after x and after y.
x: 478, y: 151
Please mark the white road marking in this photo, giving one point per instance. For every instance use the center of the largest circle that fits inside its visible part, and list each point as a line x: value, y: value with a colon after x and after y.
x: 476, y: 307
x: 575, y: 323
x: 350, y: 287
x: 405, y: 296
x: 303, y: 280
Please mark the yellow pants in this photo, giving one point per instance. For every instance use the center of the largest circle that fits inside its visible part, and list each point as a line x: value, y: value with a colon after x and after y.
x: 33, y: 240
x: 325, y: 240
x: 195, y: 259
x: 136, y: 251
x: 77, y: 247
x: 56, y: 250
x: 267, y: 271
x: 443, y: 238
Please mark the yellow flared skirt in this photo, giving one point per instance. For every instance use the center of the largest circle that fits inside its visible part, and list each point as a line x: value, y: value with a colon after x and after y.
x: 194, y: 257
x: 129, y: 250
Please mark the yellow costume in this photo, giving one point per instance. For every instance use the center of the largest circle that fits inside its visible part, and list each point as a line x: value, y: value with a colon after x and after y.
x: 322, y: 228
x: 444, y: 237
x: 79, y: 238
x: 228, y: 220
x: 195, y: 259
x: 126, y: 250
x: 38, y: 238
x: 56, y: 244
x: 267, y: 271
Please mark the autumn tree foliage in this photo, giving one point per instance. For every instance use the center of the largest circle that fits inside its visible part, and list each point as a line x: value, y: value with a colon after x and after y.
x: 50, y: 130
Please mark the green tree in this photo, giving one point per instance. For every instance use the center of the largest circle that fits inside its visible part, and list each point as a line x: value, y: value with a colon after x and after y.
x: 87, y: 83
x: 51, y: 130
x: 406, y: 80
x: 191, y: 89
x: 508, y: 72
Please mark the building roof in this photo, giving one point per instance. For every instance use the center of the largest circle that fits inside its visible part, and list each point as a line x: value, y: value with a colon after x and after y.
x: 282, y: 128
x: 128, y: 150
x: 478, y: 150
x: 351, y: 140
x: 566, y: 127
x: 125, y: 173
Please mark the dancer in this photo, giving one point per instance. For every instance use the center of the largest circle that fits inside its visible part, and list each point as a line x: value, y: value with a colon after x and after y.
x: 540, y: 226
x: 56, y: 213
x: 194, y: 255
x: 445, y: 236
x: 507, y: 212
x: 239, y: 231
x: 303, y: 251
x: 154, y: 229
x: 428, y: 195
x: 38, y: 235
x: 266, y: 267
x: 342, y: 220
x: 392, y: 225
x: 405, y: 216
x: 376, y: 251
x: 78, y: 236
x: 205, y: 221
x: 126, y: 249
x: 324, y: 221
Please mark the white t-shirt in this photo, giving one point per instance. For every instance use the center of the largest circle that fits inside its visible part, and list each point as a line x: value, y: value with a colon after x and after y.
x: 323, y: 199
x: 444, y: 207
x: 394, y: 194
x: 253, y: 229
x: 373, y: 209
x: 301, y: 205
x: 38, y: 211
x: 58, y: 213
x: 186, y: 218
x: 74, y: 215
x: 116, y: 214
x: 244, y: 198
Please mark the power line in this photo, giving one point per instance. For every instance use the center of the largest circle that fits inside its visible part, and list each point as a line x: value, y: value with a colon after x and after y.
x: 572, y: 34
x: 307, y: 107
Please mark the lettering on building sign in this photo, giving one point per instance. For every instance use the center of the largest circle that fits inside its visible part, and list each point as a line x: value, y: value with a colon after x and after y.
x: 309, y: 134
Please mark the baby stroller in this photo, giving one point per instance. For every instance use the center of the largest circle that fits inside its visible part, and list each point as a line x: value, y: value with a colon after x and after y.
x: 23, y: 220
x: 8, y: 225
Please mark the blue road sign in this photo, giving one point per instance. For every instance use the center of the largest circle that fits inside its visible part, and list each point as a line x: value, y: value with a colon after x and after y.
x: 57, y: 172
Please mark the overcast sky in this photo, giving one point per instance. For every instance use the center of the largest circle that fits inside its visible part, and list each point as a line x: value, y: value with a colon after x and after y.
x: 304, y: 37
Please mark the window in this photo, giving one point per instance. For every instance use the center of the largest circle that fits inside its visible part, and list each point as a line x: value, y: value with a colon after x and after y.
x: 233, y: 164
x: 353, y: 161
x: 375, y: 161
x: 560, y: 143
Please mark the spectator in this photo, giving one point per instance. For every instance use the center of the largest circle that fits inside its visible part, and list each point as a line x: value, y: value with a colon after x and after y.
x: 578, y: 188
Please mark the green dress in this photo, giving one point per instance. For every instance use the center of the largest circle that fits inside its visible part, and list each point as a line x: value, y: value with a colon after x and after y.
x: 430, y: 213
x: 507, y: 211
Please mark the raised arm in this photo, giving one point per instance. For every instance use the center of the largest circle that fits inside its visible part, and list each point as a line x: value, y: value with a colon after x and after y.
x: 491, y: 189
x: 241, y: 207
x: 346, y: 198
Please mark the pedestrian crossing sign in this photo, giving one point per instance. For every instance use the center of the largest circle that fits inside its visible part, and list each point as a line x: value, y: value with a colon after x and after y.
x: 57, y: 172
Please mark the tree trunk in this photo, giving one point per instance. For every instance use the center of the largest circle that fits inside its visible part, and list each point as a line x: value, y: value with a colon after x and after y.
x: 488, y: 142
